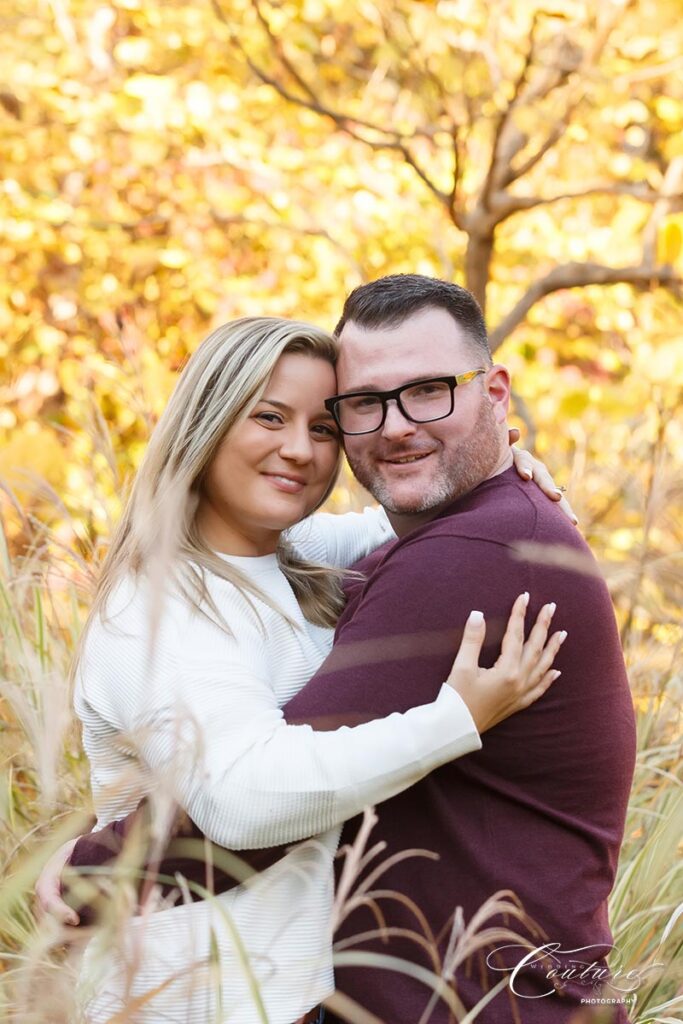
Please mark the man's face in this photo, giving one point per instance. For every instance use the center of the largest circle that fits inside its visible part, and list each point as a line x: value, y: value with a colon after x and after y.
x: 417, y: 468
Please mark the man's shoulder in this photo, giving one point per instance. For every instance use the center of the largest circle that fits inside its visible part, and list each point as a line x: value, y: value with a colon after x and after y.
x: 495, y: 512
x: 494, y: 522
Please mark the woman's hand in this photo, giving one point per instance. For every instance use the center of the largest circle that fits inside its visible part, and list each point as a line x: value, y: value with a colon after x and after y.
x: 522, y: 673
x: 48, y: 888
x: 530, y: 468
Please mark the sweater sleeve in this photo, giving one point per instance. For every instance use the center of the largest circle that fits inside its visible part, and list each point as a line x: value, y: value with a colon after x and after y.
x: 207, y: 728
x: 340, y: 540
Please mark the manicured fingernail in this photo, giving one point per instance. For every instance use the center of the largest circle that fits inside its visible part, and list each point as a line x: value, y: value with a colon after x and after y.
x: 475, y: 618
x: 558, y: 491
x: 556, y: 674
x: 525, y: 595
x: 563, y: 636
x: 552, y: 608
x: 527, y: 475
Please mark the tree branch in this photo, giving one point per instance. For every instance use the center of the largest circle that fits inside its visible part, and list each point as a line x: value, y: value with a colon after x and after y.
x: 579, y: 275
x: 412, y: 54
x: 647, y: 74
x: 588, y: 60
x: 513, y: 174
x: 345, y: 122
x: 505, y: 205
x: 277, y: 46
x: 342, y: 121
x: 565, y: 60
x: 310, y: 100
x: 420, y: 68
x: 443, y: 197
x: 225, y: 220
x: 454, y: 198
x: 310, y: 103
x: 389, y: 139
x: 505, y: 115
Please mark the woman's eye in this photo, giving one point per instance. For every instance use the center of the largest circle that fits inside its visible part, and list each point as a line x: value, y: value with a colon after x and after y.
x: 269, y: 418
x: 325, y: 430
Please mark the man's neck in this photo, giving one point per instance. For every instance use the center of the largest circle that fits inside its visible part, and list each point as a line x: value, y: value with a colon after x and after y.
x: 404, y: 523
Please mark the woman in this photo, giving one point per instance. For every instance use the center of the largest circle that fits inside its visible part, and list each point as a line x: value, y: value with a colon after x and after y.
x: 207, y: 619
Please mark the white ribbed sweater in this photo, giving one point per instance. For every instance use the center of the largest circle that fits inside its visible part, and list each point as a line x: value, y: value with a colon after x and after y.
x: 201, y: 720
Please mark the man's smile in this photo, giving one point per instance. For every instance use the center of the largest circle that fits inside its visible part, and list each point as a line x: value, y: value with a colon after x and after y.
x: 407, y: 459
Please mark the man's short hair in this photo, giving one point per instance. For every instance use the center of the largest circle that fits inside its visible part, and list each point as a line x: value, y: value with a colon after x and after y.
x: 390, y: 300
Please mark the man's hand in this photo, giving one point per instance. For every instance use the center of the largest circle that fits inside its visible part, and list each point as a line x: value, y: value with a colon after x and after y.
x: 530, y: 468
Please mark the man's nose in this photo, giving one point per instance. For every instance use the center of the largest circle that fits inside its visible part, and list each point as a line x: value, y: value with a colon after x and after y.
x: 395, y: 423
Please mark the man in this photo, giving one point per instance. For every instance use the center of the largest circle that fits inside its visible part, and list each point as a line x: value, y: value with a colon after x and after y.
x: 540, y: 810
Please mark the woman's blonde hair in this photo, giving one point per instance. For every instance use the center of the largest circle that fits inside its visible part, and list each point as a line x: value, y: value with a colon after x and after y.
x: 157, y: 535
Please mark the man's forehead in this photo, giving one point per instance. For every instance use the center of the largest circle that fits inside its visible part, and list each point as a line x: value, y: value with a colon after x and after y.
x: 428, y: 343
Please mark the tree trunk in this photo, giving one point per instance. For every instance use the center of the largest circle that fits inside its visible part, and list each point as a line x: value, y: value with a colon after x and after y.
x: 478, y: 257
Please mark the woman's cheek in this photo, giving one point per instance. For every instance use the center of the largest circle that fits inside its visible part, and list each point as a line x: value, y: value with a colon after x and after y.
x: 327, y: 469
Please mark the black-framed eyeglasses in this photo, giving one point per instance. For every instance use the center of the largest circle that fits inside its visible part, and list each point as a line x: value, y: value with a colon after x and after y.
x: 420, y: 401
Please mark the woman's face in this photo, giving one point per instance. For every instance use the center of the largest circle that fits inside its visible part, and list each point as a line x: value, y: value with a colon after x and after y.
x: 272, y: 470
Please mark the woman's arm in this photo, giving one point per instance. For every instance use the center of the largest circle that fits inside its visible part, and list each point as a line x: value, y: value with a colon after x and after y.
x: 520, y: 676
x: 226, y: 756
x: 342, y: 539
x: 213, y: 738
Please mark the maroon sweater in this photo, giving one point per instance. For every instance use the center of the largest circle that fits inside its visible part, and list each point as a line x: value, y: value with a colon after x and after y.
x: 539, y: 810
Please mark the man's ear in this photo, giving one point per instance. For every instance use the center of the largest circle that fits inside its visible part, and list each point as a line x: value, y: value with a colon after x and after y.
x: 497, y: 384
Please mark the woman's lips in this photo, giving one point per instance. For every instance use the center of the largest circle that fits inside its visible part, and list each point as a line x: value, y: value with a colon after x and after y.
x: 288, y: 484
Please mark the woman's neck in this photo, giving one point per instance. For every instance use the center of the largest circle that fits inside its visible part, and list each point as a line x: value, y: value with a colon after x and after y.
x: 229, y: 540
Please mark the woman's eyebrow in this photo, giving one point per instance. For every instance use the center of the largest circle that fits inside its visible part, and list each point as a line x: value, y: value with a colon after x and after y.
x: 323, y: 414
x: 278, y: 405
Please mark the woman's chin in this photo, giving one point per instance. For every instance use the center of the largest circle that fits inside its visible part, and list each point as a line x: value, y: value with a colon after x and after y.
x: 281, y: 521
x: 290, y: 521
x: 289, y: 510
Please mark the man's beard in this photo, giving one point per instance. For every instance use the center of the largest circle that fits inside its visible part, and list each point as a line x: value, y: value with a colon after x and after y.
x: 460, y: 469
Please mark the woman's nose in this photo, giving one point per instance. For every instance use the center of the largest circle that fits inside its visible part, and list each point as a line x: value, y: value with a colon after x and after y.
x: 297, y: 445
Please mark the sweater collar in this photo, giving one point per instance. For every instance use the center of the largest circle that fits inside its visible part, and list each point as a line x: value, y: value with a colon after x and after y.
x: 251, y: 563
x: 473, y: 497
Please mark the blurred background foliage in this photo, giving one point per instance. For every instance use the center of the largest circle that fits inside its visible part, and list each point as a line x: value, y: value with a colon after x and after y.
x: 165, y: 167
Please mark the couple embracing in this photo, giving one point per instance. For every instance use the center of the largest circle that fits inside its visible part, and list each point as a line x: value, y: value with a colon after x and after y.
x: 496, y: 751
